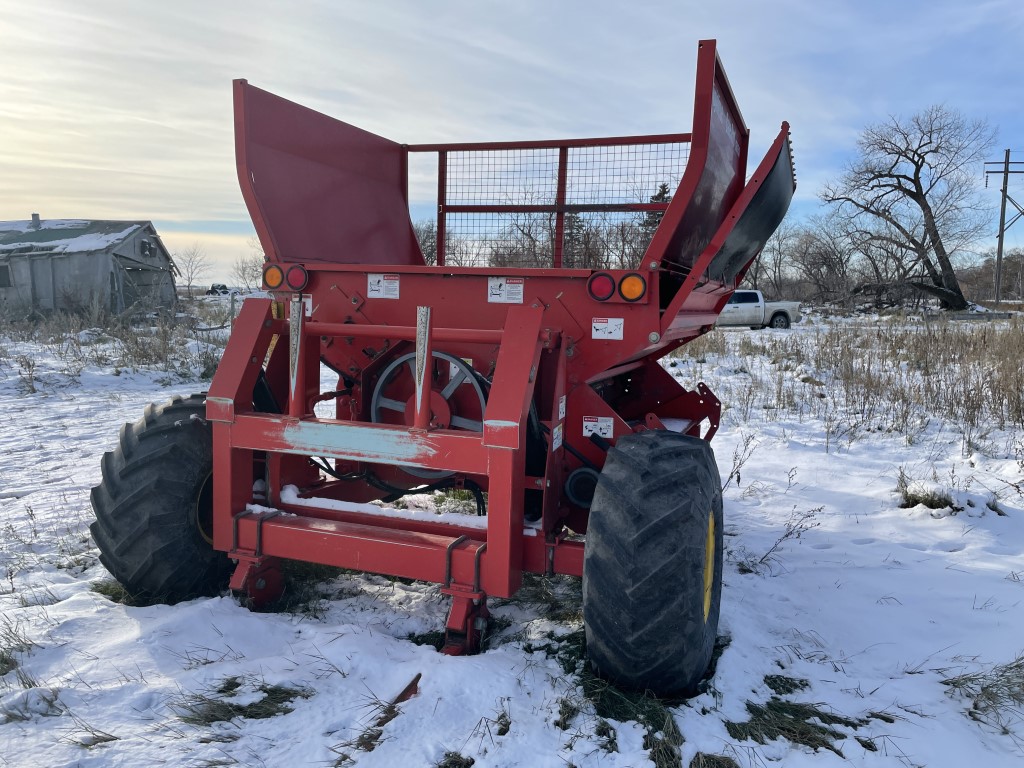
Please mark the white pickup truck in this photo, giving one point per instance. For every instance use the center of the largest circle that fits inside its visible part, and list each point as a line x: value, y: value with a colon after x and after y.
x: 750, y: 308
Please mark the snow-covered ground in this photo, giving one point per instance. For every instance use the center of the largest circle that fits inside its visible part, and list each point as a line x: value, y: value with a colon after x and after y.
x: 834, y: 597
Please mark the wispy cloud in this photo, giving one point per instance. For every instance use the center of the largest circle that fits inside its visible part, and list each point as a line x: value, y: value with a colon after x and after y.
x: 123, y: 110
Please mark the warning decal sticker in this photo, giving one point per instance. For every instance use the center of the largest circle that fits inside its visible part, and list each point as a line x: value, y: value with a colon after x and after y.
x: 380, y: 286
x: 505, y: 290
x: 606, y: 328
x: 602, y: 426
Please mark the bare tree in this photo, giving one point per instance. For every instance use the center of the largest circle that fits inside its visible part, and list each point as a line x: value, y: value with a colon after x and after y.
x: 979, y: 280
x: 821, y: 255
x: 527, y: 240
x: 623, y: 243
x: 193, y: 264
x: 915, y: 178
x: 426, y: 236
x: 884, y: 268
x: 247, y: 271
x: 771, y: 270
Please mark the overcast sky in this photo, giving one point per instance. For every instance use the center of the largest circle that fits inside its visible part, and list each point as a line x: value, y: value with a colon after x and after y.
x: 122, y: 110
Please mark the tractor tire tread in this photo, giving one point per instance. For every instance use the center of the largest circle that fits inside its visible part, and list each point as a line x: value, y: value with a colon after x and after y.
x: 145, y: 527
x: 646, y: 532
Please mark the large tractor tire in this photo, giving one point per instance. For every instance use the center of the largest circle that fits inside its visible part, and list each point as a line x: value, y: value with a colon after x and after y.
x: 154, y: 506
x: 652, y: 568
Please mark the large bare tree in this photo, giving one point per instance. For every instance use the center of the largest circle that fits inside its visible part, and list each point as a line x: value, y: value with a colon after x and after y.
x: 193, y: 264
x: 915, y: 178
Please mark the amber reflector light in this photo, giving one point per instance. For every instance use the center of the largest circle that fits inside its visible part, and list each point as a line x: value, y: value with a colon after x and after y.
x: 273, y: 276
x: 632, y: 287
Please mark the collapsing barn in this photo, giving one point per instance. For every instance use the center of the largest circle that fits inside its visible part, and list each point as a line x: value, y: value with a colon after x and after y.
x: 74, y: 264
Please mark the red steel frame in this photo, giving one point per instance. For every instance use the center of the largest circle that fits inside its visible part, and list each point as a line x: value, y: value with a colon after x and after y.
x: 332, y: 198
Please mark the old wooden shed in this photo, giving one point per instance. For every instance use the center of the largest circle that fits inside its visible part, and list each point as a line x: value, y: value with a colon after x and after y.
x: 76, y: 264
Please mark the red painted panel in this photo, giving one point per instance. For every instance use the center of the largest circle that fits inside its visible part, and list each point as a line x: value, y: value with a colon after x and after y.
x: 713, y: 178
x: 320, y: 189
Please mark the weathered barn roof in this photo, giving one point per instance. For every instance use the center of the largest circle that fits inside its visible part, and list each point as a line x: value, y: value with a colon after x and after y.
x: 54, y: 236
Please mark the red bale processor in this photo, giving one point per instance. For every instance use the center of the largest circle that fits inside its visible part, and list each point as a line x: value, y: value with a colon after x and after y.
x: 512, y: 351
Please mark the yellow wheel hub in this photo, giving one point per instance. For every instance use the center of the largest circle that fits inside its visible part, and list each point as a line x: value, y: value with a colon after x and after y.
x: 709, y: 565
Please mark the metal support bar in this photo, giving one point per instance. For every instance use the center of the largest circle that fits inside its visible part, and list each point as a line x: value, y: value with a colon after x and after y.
x: 476, y: 566
x: 296, y: 371
x: 455, y: 450
x: 442, y: 202
x: 367, y: 548
x: 563, y: 163
x: 234, y: 527
x: 467, y: 619
x: 448, y: 559
x: 551, y: 557
x: 424, y: 365
x: 610, y: 141
x: 261, y: 518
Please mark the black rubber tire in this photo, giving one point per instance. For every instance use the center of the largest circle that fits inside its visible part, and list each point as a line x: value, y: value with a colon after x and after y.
x: 779, y: 320
x: 644, y: 563
x: 152, y: 504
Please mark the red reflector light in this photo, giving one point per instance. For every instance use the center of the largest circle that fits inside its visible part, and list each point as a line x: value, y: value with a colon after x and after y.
x: 601, y: 286
x: 297, y: 278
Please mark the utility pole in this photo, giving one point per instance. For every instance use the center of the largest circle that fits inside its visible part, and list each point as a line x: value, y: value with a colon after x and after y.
x: 1003, y: 224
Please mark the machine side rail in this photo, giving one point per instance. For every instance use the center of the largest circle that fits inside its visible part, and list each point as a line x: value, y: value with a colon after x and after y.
x: 609, y: 141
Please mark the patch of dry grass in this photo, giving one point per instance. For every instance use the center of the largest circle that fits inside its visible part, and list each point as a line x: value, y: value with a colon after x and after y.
x: 996, y: 695
x: 218, y: 705
x: 178, y: 345
x: 885, y: 375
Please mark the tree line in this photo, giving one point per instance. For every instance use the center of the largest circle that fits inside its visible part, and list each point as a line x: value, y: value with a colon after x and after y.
x: 899, y: 225
x: 821, y: 261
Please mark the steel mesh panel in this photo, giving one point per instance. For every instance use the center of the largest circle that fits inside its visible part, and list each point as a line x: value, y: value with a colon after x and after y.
x: 502, y: 177
x: 622, y: 174
x: 601, y: 225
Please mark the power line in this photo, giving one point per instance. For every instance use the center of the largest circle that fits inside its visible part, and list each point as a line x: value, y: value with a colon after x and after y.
x: 1006, y: 170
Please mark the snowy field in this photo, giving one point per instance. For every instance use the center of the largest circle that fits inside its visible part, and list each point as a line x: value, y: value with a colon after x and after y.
x: 854, y: 630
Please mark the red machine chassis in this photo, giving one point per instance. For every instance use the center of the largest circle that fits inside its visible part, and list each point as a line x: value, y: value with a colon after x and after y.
x: 333, y: 199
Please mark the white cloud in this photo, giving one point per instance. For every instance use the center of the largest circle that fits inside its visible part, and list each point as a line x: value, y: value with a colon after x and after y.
x: 123, y: 110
